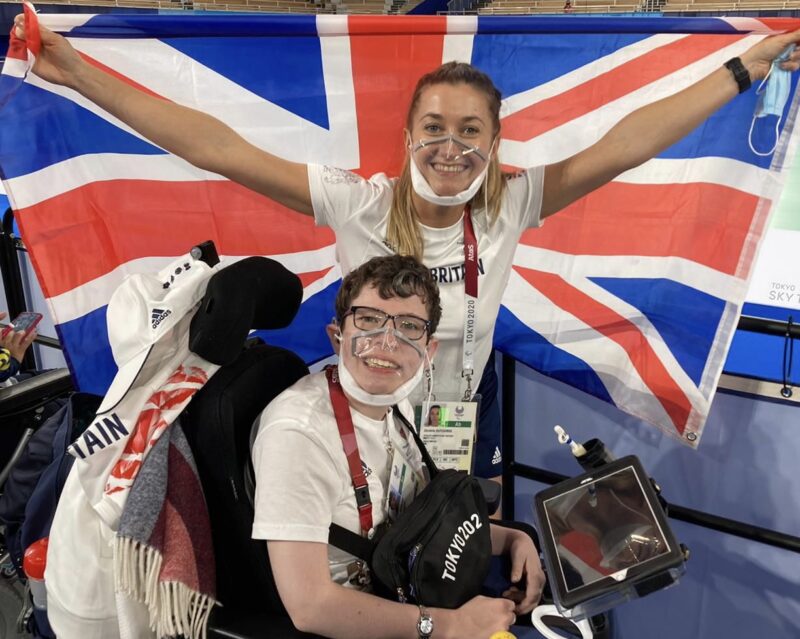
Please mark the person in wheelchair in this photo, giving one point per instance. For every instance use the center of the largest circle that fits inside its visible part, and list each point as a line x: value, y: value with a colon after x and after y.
x: 387, y: 313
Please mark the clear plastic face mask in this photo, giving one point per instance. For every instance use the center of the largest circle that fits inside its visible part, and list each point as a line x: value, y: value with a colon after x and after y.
x: 381, y: 348
x: 373, y: 344
x: 455, y: 148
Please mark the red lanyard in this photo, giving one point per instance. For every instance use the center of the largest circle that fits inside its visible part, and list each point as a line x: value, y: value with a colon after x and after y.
x: 470, y: 301
x: 344, y: 421
x: 470, y: 255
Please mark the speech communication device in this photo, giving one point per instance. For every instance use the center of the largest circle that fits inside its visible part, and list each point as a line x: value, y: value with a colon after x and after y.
x: 606, y: 539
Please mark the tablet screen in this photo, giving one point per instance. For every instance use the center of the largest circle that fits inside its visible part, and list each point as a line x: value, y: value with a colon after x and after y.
x: 603, y: 527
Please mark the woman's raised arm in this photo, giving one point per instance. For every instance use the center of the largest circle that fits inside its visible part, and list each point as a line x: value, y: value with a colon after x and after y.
x: 192, y: 135
x: 649, y: 130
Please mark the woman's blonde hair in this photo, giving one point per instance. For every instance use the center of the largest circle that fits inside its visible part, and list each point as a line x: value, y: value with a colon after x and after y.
x: 403, y: 233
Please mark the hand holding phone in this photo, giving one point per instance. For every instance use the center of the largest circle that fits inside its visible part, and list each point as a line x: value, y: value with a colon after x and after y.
x: 19, y: 335
x: 25, y: 322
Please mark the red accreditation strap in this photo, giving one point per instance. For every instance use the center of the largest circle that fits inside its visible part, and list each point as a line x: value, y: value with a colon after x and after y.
x: 344, y: 421
x: 470, y: 301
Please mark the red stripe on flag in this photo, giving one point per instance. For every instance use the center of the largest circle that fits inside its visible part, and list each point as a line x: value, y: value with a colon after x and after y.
x: 17, y: 49
x: 312, y: 276
x: 781, y: 24
x: 386, y: 68
x: 397, y: 25
x: 113, y: 72
x: 702, y: 222
x: 71, y: 243
x: 612, y: 85
x: 620, y: 330
x: 32, y: 34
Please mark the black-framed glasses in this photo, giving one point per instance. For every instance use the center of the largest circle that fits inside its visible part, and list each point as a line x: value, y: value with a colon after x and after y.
x: 367, y: 318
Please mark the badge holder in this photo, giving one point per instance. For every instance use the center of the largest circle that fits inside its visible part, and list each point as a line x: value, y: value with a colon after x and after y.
x: 404, y: 485
x: 606, y: 540
x: 449, y: 430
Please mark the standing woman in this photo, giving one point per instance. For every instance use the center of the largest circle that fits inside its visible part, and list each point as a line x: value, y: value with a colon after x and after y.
x: 451, y: 207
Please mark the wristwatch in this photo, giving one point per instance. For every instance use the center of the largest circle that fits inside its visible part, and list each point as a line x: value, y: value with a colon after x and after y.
x: 740, y: 73
x: 424, y: 624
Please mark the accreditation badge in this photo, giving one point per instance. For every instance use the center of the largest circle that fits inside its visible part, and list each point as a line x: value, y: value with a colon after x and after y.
x: 449, y: 429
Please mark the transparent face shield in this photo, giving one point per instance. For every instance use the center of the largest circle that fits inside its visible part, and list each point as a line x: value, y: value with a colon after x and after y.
x: 383, y: 348
x: 380, y: 332
x: 371, y: 344
x: 390, y: 351
x: 450, y: 147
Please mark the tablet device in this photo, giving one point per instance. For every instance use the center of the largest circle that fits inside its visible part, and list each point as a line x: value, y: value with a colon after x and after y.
x: 606, y: 539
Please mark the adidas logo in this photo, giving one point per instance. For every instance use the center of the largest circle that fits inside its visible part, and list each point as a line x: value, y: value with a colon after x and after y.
x: 498, y: 456
x: 159, y: 315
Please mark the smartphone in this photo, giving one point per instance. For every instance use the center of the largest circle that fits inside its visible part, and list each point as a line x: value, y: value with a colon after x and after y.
x: 25, y: 321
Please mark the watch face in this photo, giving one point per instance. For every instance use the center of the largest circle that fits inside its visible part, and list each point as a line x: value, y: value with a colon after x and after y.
x: 425, y: 625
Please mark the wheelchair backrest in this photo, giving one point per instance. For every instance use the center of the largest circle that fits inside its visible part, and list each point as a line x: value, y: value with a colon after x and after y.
x: 217, y: 424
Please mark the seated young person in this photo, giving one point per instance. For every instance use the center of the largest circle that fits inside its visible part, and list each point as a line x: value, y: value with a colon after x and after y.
x: 387, y: 311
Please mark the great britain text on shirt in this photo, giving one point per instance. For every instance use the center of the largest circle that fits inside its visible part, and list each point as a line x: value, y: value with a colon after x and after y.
x: 454, y: 273
x: 111, y: 430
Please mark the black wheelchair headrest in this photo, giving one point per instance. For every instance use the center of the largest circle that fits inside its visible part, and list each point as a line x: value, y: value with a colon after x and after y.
x: 253, y: 293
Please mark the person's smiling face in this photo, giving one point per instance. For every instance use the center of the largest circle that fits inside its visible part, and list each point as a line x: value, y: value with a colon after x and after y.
x: 463, y: 112
x: 388, y: 362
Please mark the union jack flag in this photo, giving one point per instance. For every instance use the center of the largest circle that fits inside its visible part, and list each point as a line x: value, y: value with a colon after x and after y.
x: 631, y: 294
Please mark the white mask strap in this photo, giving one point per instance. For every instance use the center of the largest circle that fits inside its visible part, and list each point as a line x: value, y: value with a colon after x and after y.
x: 750, y: 137
x: 429, y: 375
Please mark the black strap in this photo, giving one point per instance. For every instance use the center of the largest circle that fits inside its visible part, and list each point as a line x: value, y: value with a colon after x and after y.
x: 740, y: 73
x: 350, y: 542
x: 426, y: 457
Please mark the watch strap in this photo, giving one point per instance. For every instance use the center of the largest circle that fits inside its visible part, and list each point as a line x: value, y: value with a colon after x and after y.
x: 740, y: 73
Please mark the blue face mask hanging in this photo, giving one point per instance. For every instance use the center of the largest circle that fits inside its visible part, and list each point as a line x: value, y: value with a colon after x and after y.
x: 772, y: 98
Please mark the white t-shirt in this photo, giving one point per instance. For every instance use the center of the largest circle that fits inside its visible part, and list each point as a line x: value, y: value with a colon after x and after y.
x: 358, y: 212
x: 302, y: 479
